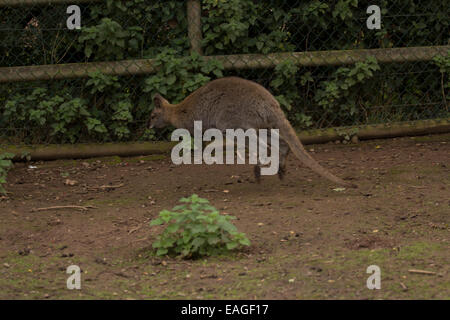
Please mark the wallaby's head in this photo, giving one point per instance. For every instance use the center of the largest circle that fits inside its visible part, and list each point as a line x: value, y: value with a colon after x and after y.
x: 158, y: 117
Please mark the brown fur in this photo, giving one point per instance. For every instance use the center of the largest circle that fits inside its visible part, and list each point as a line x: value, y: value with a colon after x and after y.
x: 232, y: 103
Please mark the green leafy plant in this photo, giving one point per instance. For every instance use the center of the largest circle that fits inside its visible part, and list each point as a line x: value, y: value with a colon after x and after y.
x: 230, y: 27
x: 112, y: 105
x: 443, y: 63
x: 195, y: 229
x: 178, y: 76
x: 284, y: 86
x: 5, y: 165
x: 337, y: 95
x: 347, y: 134
x: 154, y: 24
x: 109, y: 40
x: 60, y: 115
x: 118, y: 106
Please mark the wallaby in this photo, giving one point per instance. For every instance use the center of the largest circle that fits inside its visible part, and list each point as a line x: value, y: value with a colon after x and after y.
x: 236, y: 103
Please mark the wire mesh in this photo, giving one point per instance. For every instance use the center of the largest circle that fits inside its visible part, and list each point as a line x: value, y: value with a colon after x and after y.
x: 320, y: 59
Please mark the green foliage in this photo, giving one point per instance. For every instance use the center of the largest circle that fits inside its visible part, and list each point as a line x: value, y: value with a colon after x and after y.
x: 105, y: 114
x: 178, y: 76
x: 196, y: 229
x: 5, y: 165
x: 59, y: 115
x: 347, y: 133
x: 153, y: 25
x: 337, y: 94
x: 101, y: 82
x: 109, y: 40
x: 112, y: 106
x: 284, y: 87
x: 109, y: 108
x: 443, y: 63
x: 235, y: 26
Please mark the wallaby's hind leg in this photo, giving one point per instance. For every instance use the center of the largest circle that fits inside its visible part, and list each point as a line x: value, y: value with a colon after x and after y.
x: 284, y: 152
x: 257, y: 172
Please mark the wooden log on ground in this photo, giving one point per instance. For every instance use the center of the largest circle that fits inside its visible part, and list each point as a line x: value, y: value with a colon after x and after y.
x: 91, y: 150
x: 377, y: 131
x: 364, y: 132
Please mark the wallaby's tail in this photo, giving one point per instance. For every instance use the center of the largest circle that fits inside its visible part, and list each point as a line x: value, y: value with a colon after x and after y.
x: 289, y: 135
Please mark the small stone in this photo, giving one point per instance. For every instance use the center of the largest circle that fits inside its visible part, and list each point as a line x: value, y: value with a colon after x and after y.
x: 70, y: 182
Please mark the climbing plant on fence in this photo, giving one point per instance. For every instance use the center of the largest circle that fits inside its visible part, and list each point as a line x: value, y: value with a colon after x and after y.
x: 108, y: 107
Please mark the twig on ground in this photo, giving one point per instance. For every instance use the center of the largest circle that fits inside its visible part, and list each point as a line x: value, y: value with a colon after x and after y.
x: 138, y: 227
x: 106, y: 187
x: 404, y: 287
x: 134, y: 229
x: 82, y: 208
x: 143, y: 239
x: 421, y: 271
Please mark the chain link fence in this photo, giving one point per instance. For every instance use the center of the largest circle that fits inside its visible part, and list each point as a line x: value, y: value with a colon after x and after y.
x: 329, y: 63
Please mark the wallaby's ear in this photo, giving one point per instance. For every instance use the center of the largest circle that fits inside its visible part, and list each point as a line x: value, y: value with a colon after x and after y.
x: 158, y: 100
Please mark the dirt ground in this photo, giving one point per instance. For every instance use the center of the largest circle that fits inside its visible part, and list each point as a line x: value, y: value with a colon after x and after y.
x: 308, y: 240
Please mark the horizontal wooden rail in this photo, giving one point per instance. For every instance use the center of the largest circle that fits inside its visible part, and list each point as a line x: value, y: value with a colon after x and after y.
x: 332, y: 58
x: 18, y: 3
x: 241, y: 61
x: 76, y: 70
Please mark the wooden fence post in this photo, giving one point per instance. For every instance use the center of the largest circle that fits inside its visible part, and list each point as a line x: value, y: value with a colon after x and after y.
x: 194, y: 14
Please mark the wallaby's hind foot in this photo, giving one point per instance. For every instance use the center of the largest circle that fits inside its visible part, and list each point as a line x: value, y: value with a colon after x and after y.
x: 281, y: 173
x: 257, y: 172
x: 284, y: 152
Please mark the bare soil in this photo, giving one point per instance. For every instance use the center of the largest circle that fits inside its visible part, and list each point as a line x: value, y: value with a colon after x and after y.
x: 309, y: 240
